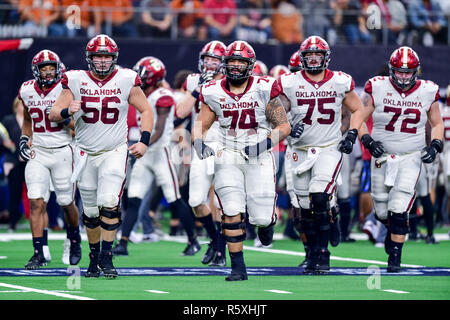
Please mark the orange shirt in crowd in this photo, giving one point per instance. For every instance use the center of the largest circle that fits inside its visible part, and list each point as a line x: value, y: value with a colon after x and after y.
x: 186, y: 20
x: 118, y: 16
x: 46, y: 6
x: 86, y: 16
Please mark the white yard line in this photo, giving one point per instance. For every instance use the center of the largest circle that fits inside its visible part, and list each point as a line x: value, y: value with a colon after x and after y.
x: 51, y: 293
x: 279, y: 291
x: 156, y: 291
x: 395, y: 291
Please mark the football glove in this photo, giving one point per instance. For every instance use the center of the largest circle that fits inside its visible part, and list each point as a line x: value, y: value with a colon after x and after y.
x: 297, y: 130
x: 346, y: 145
x: 203, y: 151
x: 24, y: 149
x: 375, y: 147
x: 429, y: 153
x: 256, y: 149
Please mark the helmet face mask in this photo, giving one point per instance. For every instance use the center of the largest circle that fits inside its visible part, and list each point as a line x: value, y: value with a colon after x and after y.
x: 404, y: 68
x: 313, y: 63
x: 215, y: 50
x: 46, y: 68
x: 239, y: 62
x: 101, y: 45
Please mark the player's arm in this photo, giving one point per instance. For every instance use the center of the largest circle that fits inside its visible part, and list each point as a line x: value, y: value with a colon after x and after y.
x: 354, y: 104
x: 276, y: 115
x: 184, y: 107
x: 138, y: 100
x: 64, y: 107
x: 437, y: 134
x: 285, y: 102
x: 375, y: 148
x: 27, y: 132
x: 204, y: 121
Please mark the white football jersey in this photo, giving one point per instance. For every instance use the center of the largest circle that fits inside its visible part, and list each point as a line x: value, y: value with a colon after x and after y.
x: 242, y: 117
x: 46, y: 134
x: 400, y: 117
x: 101, y: 124
x: 190, y: 85
x: 161, y: 98
x: 445, y: 113
x: 318, y: 105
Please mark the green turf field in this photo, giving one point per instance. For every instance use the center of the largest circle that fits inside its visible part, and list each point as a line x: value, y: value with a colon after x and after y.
x: 182, y: 286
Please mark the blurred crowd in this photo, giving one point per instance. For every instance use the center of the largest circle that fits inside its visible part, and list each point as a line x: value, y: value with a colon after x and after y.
x: 401, y: 22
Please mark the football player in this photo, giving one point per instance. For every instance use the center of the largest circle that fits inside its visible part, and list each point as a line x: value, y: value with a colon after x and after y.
x: 252, y: 120
x: 400, y: 106
x: 260, y: 69
x: 294, y: 62
x: 201, y: 173
x: 315, y: 97
x: 98, y: 99
x: 46, y: 146
x: 157, y: 162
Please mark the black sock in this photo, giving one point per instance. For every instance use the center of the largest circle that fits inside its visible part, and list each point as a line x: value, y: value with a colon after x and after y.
x: 45, y: 237
x: 73, y: 234
x: 428, y: 214
x: 37, y: 245
x: 208, y: 224
x: 106, y: 245
x: 221, y: 243
x: 123, y: 242
x: 344, y: 212
x: 173, y: 230
x: 94, y: 247
x: 237, y: 261
x: 131, y: 216
x: 185, y: 217
x: 396, y: 247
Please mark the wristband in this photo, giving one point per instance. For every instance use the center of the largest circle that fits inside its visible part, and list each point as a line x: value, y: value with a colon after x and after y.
x: 195, y: 94
x: 65, y: 113
x: 145, y: 138
x: 437, y: 144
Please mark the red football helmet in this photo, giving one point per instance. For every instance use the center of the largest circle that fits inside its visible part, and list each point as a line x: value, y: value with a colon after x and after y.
x: 404, y: 59
x: 215, y: 49
x: 63, y: 68
x: 294, y: 62
x: 278, y: 70
x: 260, y: 69
x: 101, y: 45
x: 318, y: 45
x: 151, y: 70
x: 239, y: 50
x: 42, y: 58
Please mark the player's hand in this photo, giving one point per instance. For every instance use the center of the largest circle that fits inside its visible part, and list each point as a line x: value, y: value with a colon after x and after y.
x: 255, y: 150
x: 138, y: 149
x: 74, y: 106
x: 297, y: 130
x: 24, y: 148
x: 346, y: 145
x: 203, y: 151
x: 205, y: 77
x: 429, y: 153
x: 375, y: 148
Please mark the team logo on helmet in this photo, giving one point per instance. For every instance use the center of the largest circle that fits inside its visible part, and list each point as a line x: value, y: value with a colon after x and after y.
x: 102, y: 45
x: 278, y: 70
x: 151, y: 70
x: 295, y: 63
x: 404, y: 60
x: 214, y: 49
x: 260, y: 69
x: 314, y: 44
x: 43, y: 58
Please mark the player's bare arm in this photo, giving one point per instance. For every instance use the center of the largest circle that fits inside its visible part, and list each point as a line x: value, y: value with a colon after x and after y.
x: 158, y: 130
x: 184, y: 107
x: 205, y: 119
x: 345, y: 119
x: 355, y: 105
x: 27, y: 129
x: 286, y: 102
x: 436, y: 122
x: 138, y: 100
x: 64, y: 107
x: 375, y: 148
x: 276, y: 115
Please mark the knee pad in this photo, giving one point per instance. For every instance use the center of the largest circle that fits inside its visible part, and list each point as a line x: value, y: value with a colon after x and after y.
x: 398, y: 223
x: 108, y: 200
x: 90, y: 222
x: 320, y: 202
x: 110, y: 214
x: 64, y: 199
x: 234, y: 226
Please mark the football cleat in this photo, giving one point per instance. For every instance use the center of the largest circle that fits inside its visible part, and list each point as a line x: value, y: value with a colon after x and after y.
x: 150, y: 237
x: 75, y: 252
x: 192, y: 248
x: 237, y: 276
x: 66, y: 252
x: 120, y: 250
x: 46, y: 251
x: 265, y: 235
x: 209, y: 254
x: 93, y: 271
x: 431, y: 240
x: 323, y: 264
x: 106, y: 265
x: 394, y: 263
x: 35, y: 262
x: 219, y: 260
